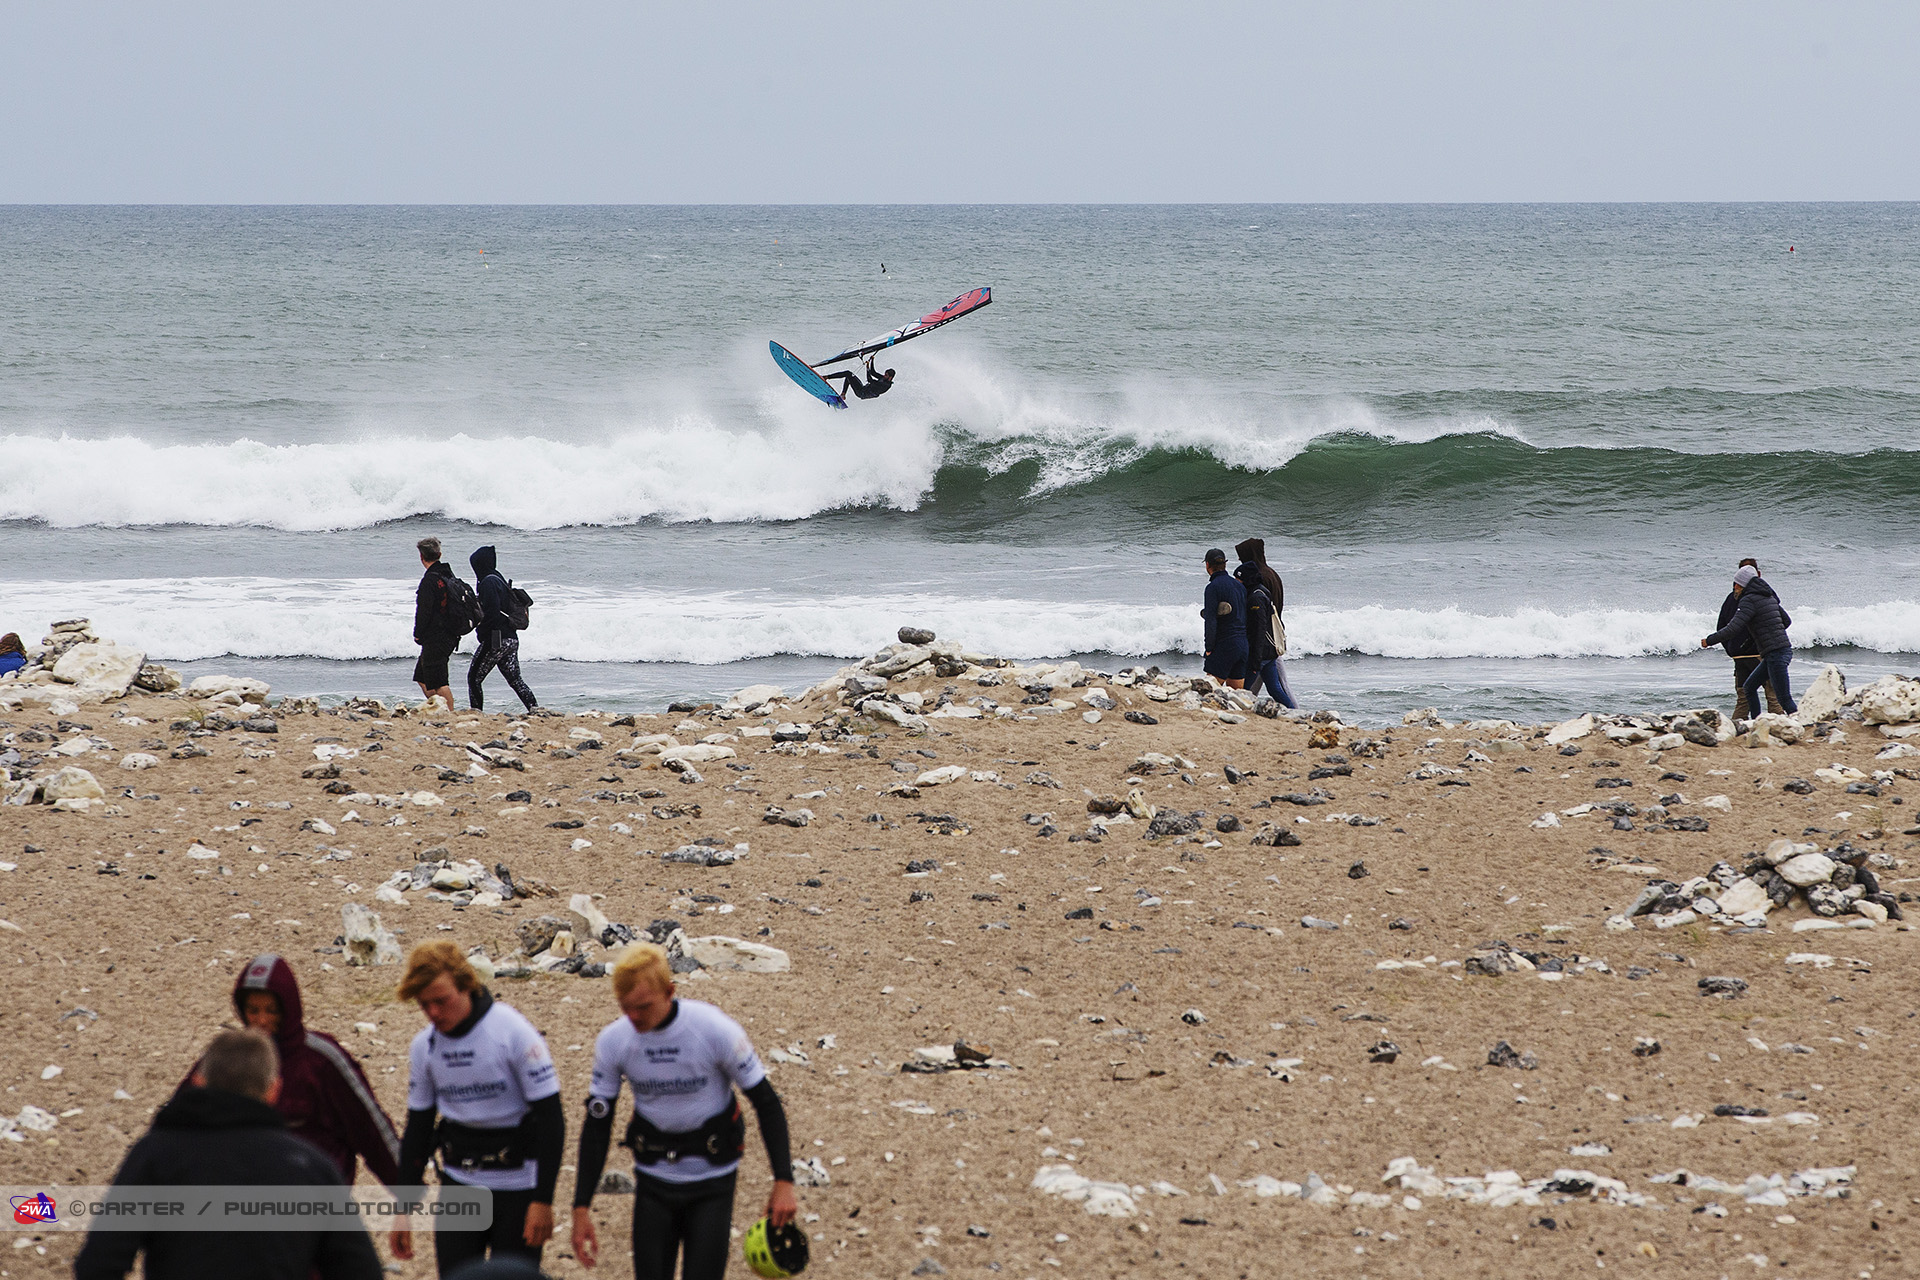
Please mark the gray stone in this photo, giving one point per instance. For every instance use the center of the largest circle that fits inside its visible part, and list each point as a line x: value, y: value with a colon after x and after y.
x: 1806, y: 869
x: 915, y: 636
x: 1505, y: 1055
x: 1725, y: 987
x: 365, y: 940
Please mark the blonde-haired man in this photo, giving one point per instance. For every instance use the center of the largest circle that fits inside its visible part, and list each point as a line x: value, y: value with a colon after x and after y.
x: 684, y: 1058
x: 483, y: 1071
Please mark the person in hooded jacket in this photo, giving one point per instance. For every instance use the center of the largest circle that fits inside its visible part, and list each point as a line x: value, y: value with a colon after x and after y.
x: 1739, y: 647
x: 1760, y: 616
x: 1224, y: 613
x: 13, y: 654
x: 324, y: 1095
x: 499, y: 639
x: 223, y: 1130
x: 1273, y: 670
x: 1263, y: 652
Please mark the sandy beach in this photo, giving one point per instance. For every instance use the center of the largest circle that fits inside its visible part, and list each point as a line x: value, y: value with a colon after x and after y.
x: 1239, y: 1033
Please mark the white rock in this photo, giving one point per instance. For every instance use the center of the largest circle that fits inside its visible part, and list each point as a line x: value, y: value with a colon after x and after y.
x: 945, y: 773
x: 1546, y: 820
x: 1667, y: 742
x: 99, y: 672
x: 1093, y: 717
x: 425, y: 800
x: 1744, y: 898
x: 388, y: 893
x: 73, y: 783
x: 1567, y: 731
x: 719, y: 952
x: 1806, y: 869
x: 1871, y: 910
x: 955, y: 711
x: 78, y: 745
x: 1890, y: 700
x: 452, y: 878
x: 249, y: 690
x: 138, y: 760
x: 1824, y: 697
x: 201, y: 853
x: 1718, y: 803
x: 1815, y: 925
x: 589, y: 920
x: 367, y: 942
x: 698, y: 753
x: 754, y: 695
x: 1897, y: 751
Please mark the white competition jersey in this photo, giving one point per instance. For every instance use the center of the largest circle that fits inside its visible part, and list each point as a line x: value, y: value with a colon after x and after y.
x: 486, y: 1079
x: 681, y: 1074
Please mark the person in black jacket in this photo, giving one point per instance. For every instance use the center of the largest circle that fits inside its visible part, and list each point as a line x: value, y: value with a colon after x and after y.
x: 223, y: 1130
x: 499, y: 639
x: 1745, y: 659
x: 1760, y: 617
x: 435, y: 628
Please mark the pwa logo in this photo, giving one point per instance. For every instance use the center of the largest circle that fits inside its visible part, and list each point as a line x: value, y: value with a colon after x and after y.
x: 31, y: 1211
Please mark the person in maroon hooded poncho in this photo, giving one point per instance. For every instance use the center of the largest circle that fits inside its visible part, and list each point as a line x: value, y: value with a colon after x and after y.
x: 324, y: 1094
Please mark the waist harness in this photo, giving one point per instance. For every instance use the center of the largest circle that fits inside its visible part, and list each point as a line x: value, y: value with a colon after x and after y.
x: 469, y: 1150
x: 721, y: 1139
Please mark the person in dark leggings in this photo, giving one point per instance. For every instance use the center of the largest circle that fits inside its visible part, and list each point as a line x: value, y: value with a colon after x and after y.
x: 499, y: 640
x: 684, y: 1059
x: 876, y: 385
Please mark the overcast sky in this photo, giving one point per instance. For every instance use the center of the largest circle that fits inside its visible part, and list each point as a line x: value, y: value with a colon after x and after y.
x: 589, y: 101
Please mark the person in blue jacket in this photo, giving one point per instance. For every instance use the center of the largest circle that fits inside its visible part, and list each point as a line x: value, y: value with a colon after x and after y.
x: 1225, y: 615
x: 13, y: 654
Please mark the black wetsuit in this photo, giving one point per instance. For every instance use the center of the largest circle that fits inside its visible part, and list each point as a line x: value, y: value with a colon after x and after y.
x: 876, y: 385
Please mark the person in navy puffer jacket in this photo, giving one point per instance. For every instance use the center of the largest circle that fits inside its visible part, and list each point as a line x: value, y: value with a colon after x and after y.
x: 1764, y: 620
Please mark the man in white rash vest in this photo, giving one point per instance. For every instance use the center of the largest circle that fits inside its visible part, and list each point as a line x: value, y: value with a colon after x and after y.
x: 684, y: 1058
x: 483, y: 1070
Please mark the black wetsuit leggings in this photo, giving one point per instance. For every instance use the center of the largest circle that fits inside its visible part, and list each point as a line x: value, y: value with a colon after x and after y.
x: 506, y: 1238
x: 497, y: 649
x: 668, y: 1216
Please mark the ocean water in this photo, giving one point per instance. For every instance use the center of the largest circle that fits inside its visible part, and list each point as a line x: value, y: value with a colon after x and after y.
x: 1504, y: 457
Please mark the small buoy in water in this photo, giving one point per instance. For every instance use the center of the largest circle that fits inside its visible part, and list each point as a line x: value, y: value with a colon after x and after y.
x: 1789, y: 248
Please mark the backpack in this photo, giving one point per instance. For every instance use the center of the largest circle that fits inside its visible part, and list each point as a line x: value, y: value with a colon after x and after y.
x: 459, y: 606
x: 519, y: 605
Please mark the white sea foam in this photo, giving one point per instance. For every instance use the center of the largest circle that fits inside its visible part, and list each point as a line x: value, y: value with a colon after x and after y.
x: 371, y: 618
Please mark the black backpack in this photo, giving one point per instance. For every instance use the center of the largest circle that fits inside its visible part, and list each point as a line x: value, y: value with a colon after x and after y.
x: 459, y: 605
x: 519, y: 605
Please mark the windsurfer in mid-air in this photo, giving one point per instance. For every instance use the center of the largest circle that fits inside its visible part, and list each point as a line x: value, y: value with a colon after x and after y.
x: 876, y: 385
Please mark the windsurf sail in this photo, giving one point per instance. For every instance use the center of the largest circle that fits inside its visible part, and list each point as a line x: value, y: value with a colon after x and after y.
x: 797, y: 369
x: 965, y: 304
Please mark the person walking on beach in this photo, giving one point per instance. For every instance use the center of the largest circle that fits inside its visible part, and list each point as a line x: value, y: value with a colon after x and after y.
x: 324, y: 1095
x: 1224, y: 613
x: 1272, y: 671
x: 498, y: 636
x: 684, y: 1059
x: 222, y: 1130
x: 1761, y: 617
x: 1263, y: 637
x: 440, y: 617
x: 1740, y: 648
x: 486, y: 1075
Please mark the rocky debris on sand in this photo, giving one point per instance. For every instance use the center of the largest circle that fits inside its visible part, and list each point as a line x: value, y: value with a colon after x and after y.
x: 462, y: 882
x: 1103, y: 1199
x: 701, y: 855
x: 1727, y: 988
x: 1505, y: 1055
x: 1834, y: 882
x: 958, y: 1056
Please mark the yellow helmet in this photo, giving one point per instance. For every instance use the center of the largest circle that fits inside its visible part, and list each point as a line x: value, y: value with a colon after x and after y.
x: 775, y: 1252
